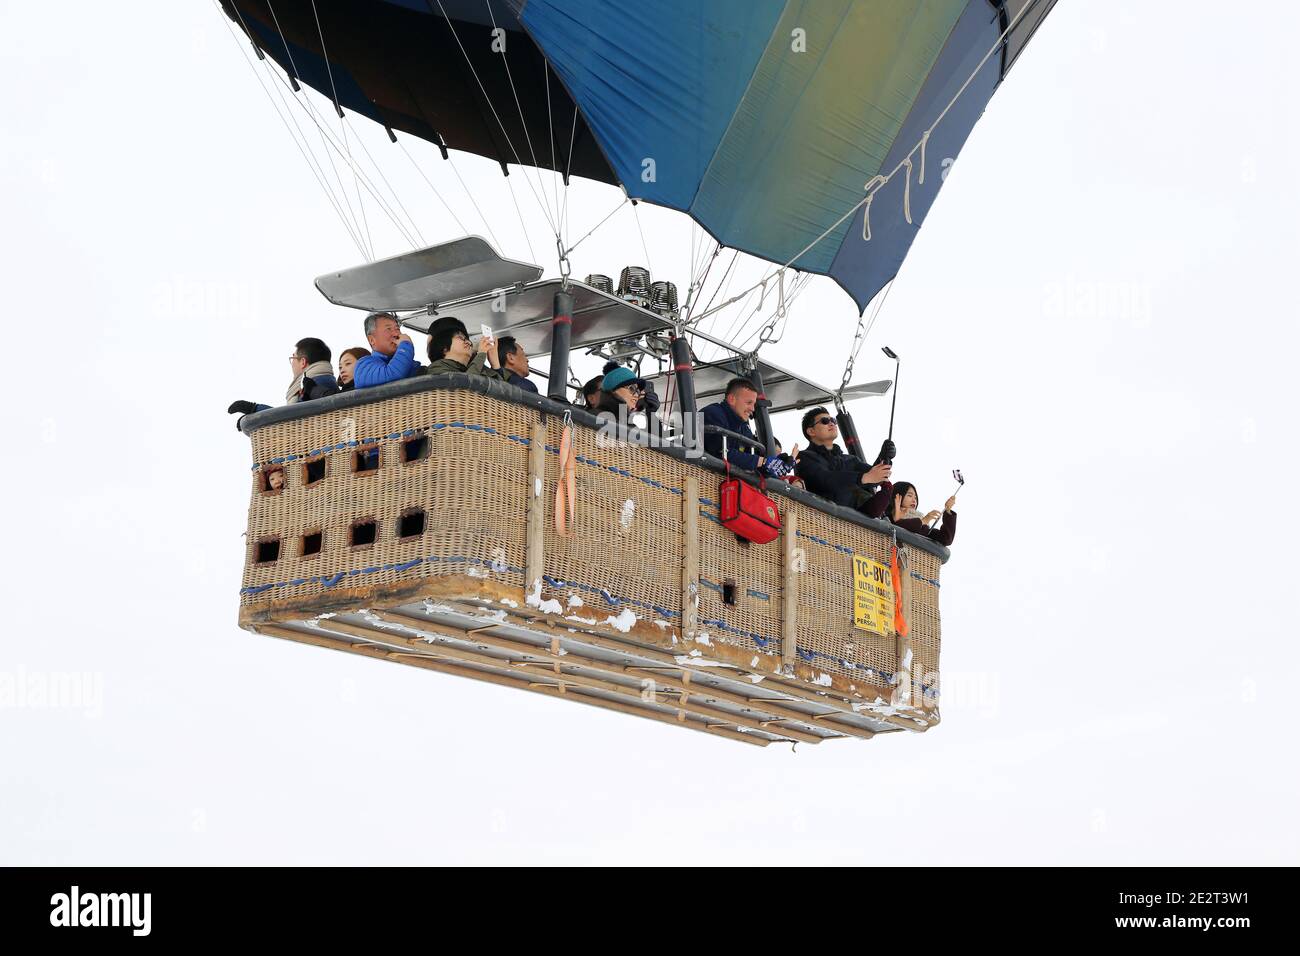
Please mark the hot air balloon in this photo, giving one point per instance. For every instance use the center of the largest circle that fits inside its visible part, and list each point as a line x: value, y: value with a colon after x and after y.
x: 460, y: 524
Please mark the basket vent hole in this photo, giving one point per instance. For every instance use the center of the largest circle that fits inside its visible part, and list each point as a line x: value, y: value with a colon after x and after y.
x: 411, y: 523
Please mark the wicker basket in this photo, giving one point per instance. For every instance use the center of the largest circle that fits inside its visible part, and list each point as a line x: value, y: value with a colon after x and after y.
x: 417, y: 526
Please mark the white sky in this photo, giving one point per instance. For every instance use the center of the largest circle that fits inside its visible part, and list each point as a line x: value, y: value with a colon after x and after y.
x: 1097, y: 324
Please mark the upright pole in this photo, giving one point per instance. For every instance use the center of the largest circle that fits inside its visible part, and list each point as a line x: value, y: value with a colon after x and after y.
x: 685, y: 373
x: 893, y: 402
x: 761, y: 415
x: 849, y: 432
x: 561, y: 333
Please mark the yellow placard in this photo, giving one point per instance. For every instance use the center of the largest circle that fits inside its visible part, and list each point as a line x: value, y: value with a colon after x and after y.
x: 873, y: 596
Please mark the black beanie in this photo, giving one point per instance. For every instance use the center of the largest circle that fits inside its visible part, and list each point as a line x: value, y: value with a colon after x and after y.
x: 441, y: 333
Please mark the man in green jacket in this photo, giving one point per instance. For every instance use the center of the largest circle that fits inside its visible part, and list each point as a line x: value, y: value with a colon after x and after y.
x: 450, y: 350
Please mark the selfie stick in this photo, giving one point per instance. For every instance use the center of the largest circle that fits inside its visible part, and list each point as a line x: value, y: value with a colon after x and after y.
x: 894, y: 401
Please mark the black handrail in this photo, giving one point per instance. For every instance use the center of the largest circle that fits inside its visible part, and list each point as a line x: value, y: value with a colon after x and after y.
x: 749, y: 440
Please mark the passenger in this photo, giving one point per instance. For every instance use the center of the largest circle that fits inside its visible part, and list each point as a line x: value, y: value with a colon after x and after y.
x: 275, y: 479
x: 347, y: 365
x: 451, y: 350
x: 734, y: 413
x: 904, y: 514
x: 313, y: 377
x: 513, y: 362
x: 393, y: 358
x: 591, y: 393
x: 620, y: 389
x: 842, y: 478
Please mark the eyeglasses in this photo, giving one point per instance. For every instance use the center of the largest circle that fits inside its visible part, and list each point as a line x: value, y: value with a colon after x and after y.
x: 462, y: 335
x: 825, y: 420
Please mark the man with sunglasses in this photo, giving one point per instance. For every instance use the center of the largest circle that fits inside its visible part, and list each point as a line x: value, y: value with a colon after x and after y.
x: 829, y: 472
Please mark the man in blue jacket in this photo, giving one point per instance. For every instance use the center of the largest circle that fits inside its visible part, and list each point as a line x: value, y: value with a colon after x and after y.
x: 392, y: 356
x: 733, y: 413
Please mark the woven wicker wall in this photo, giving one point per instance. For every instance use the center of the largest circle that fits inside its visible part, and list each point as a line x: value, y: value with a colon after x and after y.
x: 924, y: 569
x: 473, y: 487
x: 633, y: 553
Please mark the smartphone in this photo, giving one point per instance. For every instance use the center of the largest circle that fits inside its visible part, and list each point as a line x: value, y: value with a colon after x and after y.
x: 487, y: 331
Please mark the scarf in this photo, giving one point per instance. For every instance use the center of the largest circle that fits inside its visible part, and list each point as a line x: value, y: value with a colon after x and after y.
x: 314, y: 370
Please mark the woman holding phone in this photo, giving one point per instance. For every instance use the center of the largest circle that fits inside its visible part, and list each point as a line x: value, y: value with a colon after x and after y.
x: 902, y: 512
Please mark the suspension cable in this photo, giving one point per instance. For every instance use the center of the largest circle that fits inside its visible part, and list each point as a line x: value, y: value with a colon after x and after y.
x: 393, y: 192
x: 505, y: 59
x: 645, y: 248
x: 550, y: 130
x: 298, y: 84
x: 316, y: 172
x: 328, y: 139
x: 597, y: 226
x: 523, y: 226
x: 445, y: 204
x: 735, y: 253
x: 491, y: 106
x: 568, y: 169
x: 474, y: 202
x: 860, y: 336
x: 699, y: 286
x: 343, y: 126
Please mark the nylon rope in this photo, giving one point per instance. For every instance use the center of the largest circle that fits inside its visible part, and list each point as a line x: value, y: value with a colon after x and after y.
x: 906, y: 160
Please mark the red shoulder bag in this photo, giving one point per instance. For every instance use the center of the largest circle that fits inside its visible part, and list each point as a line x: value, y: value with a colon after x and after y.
x: 747, y: 510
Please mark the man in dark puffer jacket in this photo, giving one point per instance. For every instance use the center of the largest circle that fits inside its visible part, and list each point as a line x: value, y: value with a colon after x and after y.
x: 842, y: 478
